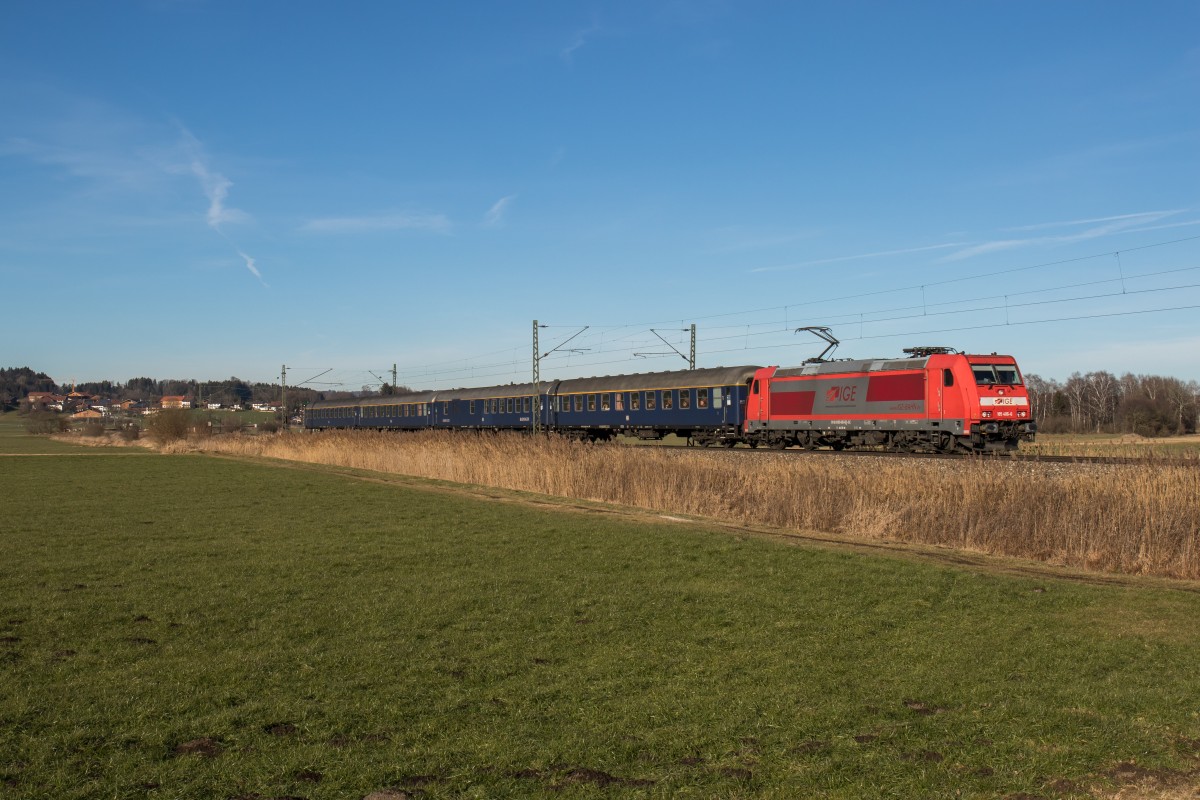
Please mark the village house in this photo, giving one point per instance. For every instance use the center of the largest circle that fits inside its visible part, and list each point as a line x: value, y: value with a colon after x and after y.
x: 45, y: 399
x: 176, y: 401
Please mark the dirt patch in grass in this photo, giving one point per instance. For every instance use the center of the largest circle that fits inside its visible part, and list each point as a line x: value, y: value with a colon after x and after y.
x: 560, y: 776
x: 205, y: 747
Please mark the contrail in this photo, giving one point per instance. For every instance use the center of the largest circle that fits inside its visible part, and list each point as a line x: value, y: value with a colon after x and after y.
x: 216, y: 188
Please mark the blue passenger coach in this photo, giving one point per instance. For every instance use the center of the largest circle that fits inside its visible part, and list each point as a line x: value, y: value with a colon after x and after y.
x: 706, y: 406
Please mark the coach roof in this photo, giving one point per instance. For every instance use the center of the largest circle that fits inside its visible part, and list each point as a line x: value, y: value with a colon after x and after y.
x: 678, y: 379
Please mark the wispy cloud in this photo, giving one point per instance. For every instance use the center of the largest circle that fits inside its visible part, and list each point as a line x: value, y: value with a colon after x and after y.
x: 84, y: 139
x: 1144, y: 216
x: 437, y: 223
x: 494, y: 217
x: 859, y: 256
x: 578, y: 39
x: 250, y: 266
x: 216, y: 188
x: 1096, y: 228
x: 114, y: 154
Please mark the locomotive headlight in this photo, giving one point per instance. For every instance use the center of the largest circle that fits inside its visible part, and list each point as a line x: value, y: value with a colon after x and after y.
x: 986, y: 415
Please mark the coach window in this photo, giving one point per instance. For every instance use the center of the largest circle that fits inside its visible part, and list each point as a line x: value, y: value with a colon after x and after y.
x: 651, y: 400
x: 702, y: 398
x: 579, y: 402
x: 606, y: 402
x: 685, y: 398
x: 947, y: 377
x: 668, y: 399
x: 635, y: 401
x: 619, y: 401
x: 527, y: 404
x: 591, y: 402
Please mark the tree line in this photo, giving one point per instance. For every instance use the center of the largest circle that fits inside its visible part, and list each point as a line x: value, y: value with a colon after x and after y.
x: 1101, y: 402
x: 16, y: 384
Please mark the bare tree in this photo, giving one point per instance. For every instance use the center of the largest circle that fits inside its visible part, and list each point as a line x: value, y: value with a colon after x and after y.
x: 1103, y: 395
x: 1042, y: 393
x: 1076, y: 391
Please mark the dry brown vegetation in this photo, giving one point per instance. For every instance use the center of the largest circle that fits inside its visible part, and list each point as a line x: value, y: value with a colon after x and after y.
x: 1138, y: 519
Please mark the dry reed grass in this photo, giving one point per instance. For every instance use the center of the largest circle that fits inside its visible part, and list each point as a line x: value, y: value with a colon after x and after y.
x: 1142, y: 519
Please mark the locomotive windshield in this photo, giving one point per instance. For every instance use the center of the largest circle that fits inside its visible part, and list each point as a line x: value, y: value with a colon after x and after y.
x: 996, y: 374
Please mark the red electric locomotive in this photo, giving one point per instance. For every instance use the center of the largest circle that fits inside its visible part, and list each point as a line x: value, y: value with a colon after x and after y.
x: 934, y: 400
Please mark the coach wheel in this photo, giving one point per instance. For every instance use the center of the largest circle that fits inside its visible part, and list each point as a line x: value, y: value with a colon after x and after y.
x: 839, y: 445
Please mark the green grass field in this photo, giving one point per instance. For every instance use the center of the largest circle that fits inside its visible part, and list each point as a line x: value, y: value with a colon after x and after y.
x: 195, y: 627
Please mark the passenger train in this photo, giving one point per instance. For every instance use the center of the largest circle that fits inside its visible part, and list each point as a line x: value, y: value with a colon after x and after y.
x: 933, y: 399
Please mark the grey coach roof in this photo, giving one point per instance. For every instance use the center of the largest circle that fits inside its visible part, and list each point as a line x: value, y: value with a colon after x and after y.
x: 679, y: 379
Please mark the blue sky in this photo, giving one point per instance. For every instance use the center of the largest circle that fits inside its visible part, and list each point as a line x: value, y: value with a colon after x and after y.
x: 204, y: 189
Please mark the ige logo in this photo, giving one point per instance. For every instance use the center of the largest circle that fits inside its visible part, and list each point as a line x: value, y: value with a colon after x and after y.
x: 846, y: 394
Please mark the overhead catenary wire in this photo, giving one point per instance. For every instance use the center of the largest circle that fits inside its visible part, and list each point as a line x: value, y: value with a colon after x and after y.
x: 612, y: 344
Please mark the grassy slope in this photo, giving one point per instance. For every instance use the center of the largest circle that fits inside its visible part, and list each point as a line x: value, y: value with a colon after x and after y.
x: 334, y: 637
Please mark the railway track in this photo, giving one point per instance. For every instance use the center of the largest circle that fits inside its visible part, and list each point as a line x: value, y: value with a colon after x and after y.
x: 1017, y: 457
